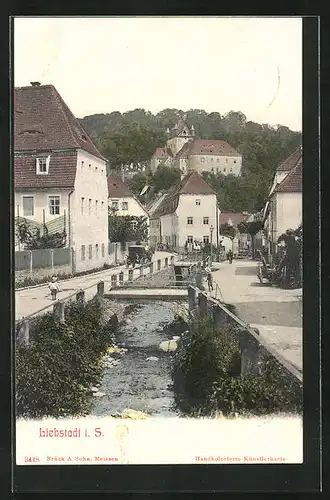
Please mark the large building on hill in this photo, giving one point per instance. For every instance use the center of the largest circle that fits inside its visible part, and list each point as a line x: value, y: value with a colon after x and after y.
x: 283, y: 209
x: 188, y: 213
x: 186, y: 152
x: 60, y: 176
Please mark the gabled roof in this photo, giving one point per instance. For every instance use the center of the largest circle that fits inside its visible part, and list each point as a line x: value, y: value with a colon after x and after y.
x: 153, y: 205
x: 293, y: 181
x: 207, y: 147
x: 193, y: 183
x: 291, y: 161
x: 162, y: 153
x: 117, y: 188
x: 62, y: 171
x: 234, y: 217
x: 43, y: 122
x: 179, y: 127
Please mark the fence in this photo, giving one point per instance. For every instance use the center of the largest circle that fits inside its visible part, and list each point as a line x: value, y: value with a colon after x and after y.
x: 29, y: 260
x: 254, y: 352
x: 23, y: 325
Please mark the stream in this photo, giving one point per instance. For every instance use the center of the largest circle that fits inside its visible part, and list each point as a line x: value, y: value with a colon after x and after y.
x: 136, y: 382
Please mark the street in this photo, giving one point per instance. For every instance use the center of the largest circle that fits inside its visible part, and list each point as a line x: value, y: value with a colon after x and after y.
x: 31, y: 300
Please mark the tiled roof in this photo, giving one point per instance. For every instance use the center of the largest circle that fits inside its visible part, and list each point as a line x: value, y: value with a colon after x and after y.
x: 117, y: 188
x: 62, y: 171
x: 293, y: 181
x: 207, y: 147
x: 192, y: 183
x: 162, y: 153
x: 184, y: 151
x: 42, y: 121
x: 235, y: 217
x: 291, y: 161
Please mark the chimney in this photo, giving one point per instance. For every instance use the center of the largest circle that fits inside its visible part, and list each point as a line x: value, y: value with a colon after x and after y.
x: 35, y: 84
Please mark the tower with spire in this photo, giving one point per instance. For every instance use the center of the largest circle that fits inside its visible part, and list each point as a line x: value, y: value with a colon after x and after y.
x: 179, y: 135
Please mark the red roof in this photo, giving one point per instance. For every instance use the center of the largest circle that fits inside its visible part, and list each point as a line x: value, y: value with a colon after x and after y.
x: 117, y: 188
x: 208, y: 147
x: 162, y: 153
x: 193, y: 183
x: 62, y: 171
x: 293, y: 181
x: 235, y: 217
x: 43, y: 122
x: 291, y: 161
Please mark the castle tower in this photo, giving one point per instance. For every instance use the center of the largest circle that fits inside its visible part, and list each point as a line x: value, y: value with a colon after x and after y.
x: 179, y: 135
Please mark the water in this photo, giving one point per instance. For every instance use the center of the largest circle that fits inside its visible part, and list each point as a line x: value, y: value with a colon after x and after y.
x: 137, y: 383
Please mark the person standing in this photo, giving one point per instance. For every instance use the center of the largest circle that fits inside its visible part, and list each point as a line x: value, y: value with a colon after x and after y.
x: 209, y: 278
x: 230, y: 257
x: 54, y: 288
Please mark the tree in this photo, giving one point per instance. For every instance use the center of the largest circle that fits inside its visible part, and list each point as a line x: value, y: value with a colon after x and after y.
x: 124, y: 228
x: 292, y: 244
x: 227, y: 230
x: 164, y: 178
x: 33, y: 240
x: 251, y: 228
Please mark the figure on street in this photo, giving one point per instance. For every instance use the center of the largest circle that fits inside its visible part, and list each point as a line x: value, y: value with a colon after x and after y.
x: 54, y: 288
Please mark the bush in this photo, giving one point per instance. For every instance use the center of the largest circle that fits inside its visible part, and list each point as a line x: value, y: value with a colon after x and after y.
x: 54, y: 373
x: 207, y: 378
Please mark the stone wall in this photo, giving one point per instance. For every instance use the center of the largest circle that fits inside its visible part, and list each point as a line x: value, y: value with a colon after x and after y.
x: 256, y: 355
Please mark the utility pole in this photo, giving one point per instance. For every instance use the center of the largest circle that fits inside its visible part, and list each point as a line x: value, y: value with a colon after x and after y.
x: 211, y: 241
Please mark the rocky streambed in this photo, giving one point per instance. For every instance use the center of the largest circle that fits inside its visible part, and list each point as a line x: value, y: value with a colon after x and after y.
x: 137, y: 378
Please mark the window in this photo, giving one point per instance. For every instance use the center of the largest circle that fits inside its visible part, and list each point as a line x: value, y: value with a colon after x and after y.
x: 89, y: 166
x: 83, y: 252
x: 89, y: 206
x: 124, y: 205
x: 96, y: 206
x: 231, y: 170
x: 218, y: 159
x: 190, y: 220
x: 82, y: 205
x: 211, y: 158
x: 54, y: 205
x: 217, y: 169
x: 82, y: 163
x: 205, y: 220
x: 225, y: 170
x: 133, y: 224
x: 190, y: 239
x: 212, y: 169
x: 102, y: 205
x: 206, y: 239
x: 97, y: 250
x: 198, y: 202
x: 115, y: 205
x: 234, y: 161
x: 226, y: 160
x: 28, y: 208
x: 42, y: 165
x: 102, y: 248
x: 90, y: 251
x: 95, y: 169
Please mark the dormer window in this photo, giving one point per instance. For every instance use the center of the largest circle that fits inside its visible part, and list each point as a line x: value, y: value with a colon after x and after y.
x: 42, y: 165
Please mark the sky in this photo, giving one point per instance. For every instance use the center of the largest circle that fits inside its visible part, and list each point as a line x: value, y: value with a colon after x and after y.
x: 106, y: 64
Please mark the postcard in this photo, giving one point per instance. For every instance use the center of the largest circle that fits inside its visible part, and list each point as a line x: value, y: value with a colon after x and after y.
x: 158, y: 174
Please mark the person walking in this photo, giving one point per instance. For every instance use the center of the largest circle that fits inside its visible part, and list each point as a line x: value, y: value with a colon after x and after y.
x: 230, y: 257
x: 54, y: 288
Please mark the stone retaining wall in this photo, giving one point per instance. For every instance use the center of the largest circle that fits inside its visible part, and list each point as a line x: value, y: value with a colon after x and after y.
x: 255, y: 354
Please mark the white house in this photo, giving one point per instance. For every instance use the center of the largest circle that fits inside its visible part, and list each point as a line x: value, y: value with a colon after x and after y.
x: 60, y: 176
x: 186, y: 152
x: 283, y: 210
x: 188, y: 213
x: 122, y: 200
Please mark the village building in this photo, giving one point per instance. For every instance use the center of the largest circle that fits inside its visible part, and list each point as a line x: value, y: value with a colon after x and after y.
x: 60, y: 176
x: 188, y: 213
x: 121, y: 200
x: 186, y: 152
x: 283, y: 209
x: 239, y: 242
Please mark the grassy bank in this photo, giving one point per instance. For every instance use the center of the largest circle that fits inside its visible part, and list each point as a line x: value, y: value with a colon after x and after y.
x: 55, y: 372
x: 207, y: 377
